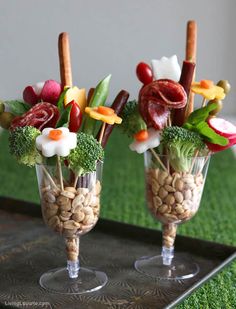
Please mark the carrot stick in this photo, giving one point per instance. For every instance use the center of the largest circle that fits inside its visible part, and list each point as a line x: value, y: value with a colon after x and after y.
x: 64, y: 58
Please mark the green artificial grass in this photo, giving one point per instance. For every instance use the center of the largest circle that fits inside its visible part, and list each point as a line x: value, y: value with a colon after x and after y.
x: 123, y: 200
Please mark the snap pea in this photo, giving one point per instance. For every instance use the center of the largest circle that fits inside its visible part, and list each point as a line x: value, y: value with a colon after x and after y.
x: 98, y: 98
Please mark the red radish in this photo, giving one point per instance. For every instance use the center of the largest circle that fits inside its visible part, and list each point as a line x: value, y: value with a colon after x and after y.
x: 222, y: 127
x: 30, y: 96
x: 216, y: 148
x: 51, y: 91
x: 38, y: 88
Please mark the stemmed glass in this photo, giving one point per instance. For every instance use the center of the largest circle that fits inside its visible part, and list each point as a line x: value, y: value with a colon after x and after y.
x: 70, y: 207
x: 173, y: 197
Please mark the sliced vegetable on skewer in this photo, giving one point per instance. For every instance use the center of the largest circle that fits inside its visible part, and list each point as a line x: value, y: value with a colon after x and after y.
x: 98, y: 98
x: 56, y: 142
x: 166, y: 68
x: 144, y: 140
x: 208, y: 90
x: 118, y: 106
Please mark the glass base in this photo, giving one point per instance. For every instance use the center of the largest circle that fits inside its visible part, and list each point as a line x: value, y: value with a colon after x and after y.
x: 58, y: 281
x: 182, y: 267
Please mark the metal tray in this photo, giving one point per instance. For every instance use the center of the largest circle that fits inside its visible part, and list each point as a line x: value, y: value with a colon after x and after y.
x: 28, y: 249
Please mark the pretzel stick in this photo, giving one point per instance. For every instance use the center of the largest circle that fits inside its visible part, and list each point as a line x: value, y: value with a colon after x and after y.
x: 191, y: 54
x: 66, y: 78
x: 64, y: 58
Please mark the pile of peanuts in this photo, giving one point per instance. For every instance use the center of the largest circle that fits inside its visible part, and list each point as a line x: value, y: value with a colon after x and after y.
x: 169, y: 234
x: 73, y: 211
x: 173, y: 198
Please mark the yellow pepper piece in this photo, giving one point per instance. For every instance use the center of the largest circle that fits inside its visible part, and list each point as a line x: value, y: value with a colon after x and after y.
x: 78, y: 95
x: 93, y: 112
x: 214, y: 92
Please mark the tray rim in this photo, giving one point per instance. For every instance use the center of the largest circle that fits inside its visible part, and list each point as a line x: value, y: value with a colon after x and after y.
x: 36, y: 212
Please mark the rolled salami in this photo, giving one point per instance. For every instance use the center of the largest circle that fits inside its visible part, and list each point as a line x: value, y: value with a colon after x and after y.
x: 40, y: 116
x: 157, y: 98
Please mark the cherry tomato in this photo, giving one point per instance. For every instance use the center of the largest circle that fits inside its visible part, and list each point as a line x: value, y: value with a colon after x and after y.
x: 144, y: 73
x: 75, y: 117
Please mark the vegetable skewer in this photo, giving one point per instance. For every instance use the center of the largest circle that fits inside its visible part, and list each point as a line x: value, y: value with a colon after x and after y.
x: 118, y: 106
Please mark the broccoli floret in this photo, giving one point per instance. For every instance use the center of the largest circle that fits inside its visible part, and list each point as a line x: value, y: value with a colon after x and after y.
x: 132, y: 120
x: 22, y: 145
x: 181, y: 145
x: 84, y: 157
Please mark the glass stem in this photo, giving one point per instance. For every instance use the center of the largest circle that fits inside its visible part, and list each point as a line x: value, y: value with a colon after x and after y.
x: 168, y: 239
x: 72, y: 251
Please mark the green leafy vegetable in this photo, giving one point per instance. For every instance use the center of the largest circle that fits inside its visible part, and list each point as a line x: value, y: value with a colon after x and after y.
x: 132, y: 120
x: 22, y: 145
x: 84, y: 157
x: 197, y: 122
x: 200, y: 114
x: 64, y: 119
x: 210, y: 135
x: 60, y: 103
x: 17, y: 107
x: 181, y: 145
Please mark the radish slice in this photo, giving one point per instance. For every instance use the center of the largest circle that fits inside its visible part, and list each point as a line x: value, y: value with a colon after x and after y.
x: 217, y: 148
x: 30, y: 96
x: 222, y: 127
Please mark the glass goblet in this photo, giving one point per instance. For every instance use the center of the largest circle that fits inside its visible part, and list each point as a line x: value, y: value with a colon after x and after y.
x: 70, y: 207
x: 174, y: 188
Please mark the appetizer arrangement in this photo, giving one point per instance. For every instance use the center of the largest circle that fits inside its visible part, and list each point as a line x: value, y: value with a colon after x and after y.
x: 176, y: 138
x: 56, y: 124
x: 63, y: 132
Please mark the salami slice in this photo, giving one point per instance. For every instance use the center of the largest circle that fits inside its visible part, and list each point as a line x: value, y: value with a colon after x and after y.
x: 39, y: 116
x: 156, y: 98
x: 157, y: 115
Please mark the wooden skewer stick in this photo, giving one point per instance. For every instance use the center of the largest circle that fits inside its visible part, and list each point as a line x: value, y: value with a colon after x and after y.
x: 60, y: 173
x: 75, y: 181
x: 64, y: 58
x: 190, y: 55
x: 204, y: 102
x: 102, y: 132
x: 49, y: 177
x: 158, y: 159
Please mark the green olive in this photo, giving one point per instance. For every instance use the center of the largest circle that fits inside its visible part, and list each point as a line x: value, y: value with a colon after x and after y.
x: 225, y: 85
x: 218, y: 108
x: 6, y: 119
x: 2, y: 107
